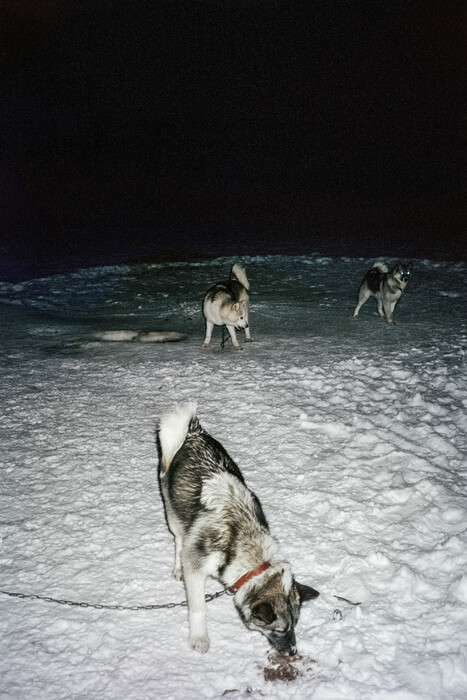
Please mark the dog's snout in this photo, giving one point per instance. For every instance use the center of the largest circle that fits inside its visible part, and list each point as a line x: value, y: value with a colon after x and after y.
x: 241, y: 324
x: 288, y: 651
x: 285, y: 644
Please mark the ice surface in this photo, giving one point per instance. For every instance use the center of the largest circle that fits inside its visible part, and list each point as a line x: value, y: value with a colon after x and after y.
x: 352, y: 434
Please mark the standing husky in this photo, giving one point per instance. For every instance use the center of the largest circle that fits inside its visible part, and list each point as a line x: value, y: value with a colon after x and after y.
x: 387, y: 286
x: 220, y: 530
x: 226, y: 304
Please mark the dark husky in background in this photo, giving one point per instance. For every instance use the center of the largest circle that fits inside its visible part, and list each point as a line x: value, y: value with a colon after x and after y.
x: 220, y: 530
x: 226, y: 304
x: 387, y: 286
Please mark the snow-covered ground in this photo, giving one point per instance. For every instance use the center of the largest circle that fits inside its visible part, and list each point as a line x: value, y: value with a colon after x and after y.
x: 352, y: 434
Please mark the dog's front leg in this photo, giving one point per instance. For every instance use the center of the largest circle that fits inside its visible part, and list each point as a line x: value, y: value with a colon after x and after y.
x: 207, y: 339
x: 247, y: 335
x: 233, y: 337
x: 195, y: 586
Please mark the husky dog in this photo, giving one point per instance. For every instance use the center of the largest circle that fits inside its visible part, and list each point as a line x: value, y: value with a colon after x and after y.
x: 220, y: 530
x: 387, y: 286
x: 226, y: 304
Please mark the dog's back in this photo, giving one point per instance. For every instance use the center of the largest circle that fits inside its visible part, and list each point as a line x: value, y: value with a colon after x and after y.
x: 188, y: 453
x: 199, y: 474
x: 230, y: 291
x: 224, y: 293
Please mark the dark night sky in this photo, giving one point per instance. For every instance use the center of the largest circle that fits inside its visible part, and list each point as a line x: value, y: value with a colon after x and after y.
x: 130, y: 128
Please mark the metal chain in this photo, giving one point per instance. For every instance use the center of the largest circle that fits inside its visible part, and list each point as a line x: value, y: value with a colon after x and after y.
x: 102, y: 606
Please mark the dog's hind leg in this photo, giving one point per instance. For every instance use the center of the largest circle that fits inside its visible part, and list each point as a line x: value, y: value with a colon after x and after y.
x: 209, y: 328
x: 195, y: 587
x: 363, y: 295
x: 177, y: 531
x: 178, y: 570
x: 381, y: 309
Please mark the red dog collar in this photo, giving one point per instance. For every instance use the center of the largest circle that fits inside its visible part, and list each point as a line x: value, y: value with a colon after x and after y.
x: 250, y: 574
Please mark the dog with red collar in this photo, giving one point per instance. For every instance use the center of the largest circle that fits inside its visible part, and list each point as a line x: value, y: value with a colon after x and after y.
x: 220, y: 530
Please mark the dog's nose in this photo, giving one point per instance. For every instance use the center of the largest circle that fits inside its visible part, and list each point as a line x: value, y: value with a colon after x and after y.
x: 285, y: 644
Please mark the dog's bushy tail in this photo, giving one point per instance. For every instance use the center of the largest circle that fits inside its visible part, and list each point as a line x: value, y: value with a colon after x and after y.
x: 239, y: 273
x: 172, y: 431
x: 381, y: 267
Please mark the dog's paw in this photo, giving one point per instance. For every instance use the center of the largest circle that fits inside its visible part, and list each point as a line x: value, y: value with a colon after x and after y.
x: 200, y: 644
x: 177, y: 573
x: 238, y: 347
x: 248, y: 340
x: 205, y: 345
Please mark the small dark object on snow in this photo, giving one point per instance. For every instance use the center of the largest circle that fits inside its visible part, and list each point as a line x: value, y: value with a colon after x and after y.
x: 286, y: 668
x: 345, y: 600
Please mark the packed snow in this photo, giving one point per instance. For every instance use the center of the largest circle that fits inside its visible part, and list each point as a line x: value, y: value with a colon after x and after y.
x: 351, y: 433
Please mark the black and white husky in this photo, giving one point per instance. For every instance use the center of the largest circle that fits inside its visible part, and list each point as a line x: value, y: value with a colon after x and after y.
x: 386, y: 285
x: 220, y: 530
x: 226, y: 304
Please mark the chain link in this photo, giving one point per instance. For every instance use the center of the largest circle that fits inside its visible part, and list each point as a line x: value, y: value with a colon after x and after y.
x: 102, y: 606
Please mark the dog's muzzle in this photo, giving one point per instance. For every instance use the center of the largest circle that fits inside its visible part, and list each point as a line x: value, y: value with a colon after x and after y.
x: 285, y: 644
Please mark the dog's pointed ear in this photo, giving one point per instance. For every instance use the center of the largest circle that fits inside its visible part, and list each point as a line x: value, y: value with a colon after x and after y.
x: 306, y: 592
x: 236, y: 306
x: 263, y: 613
